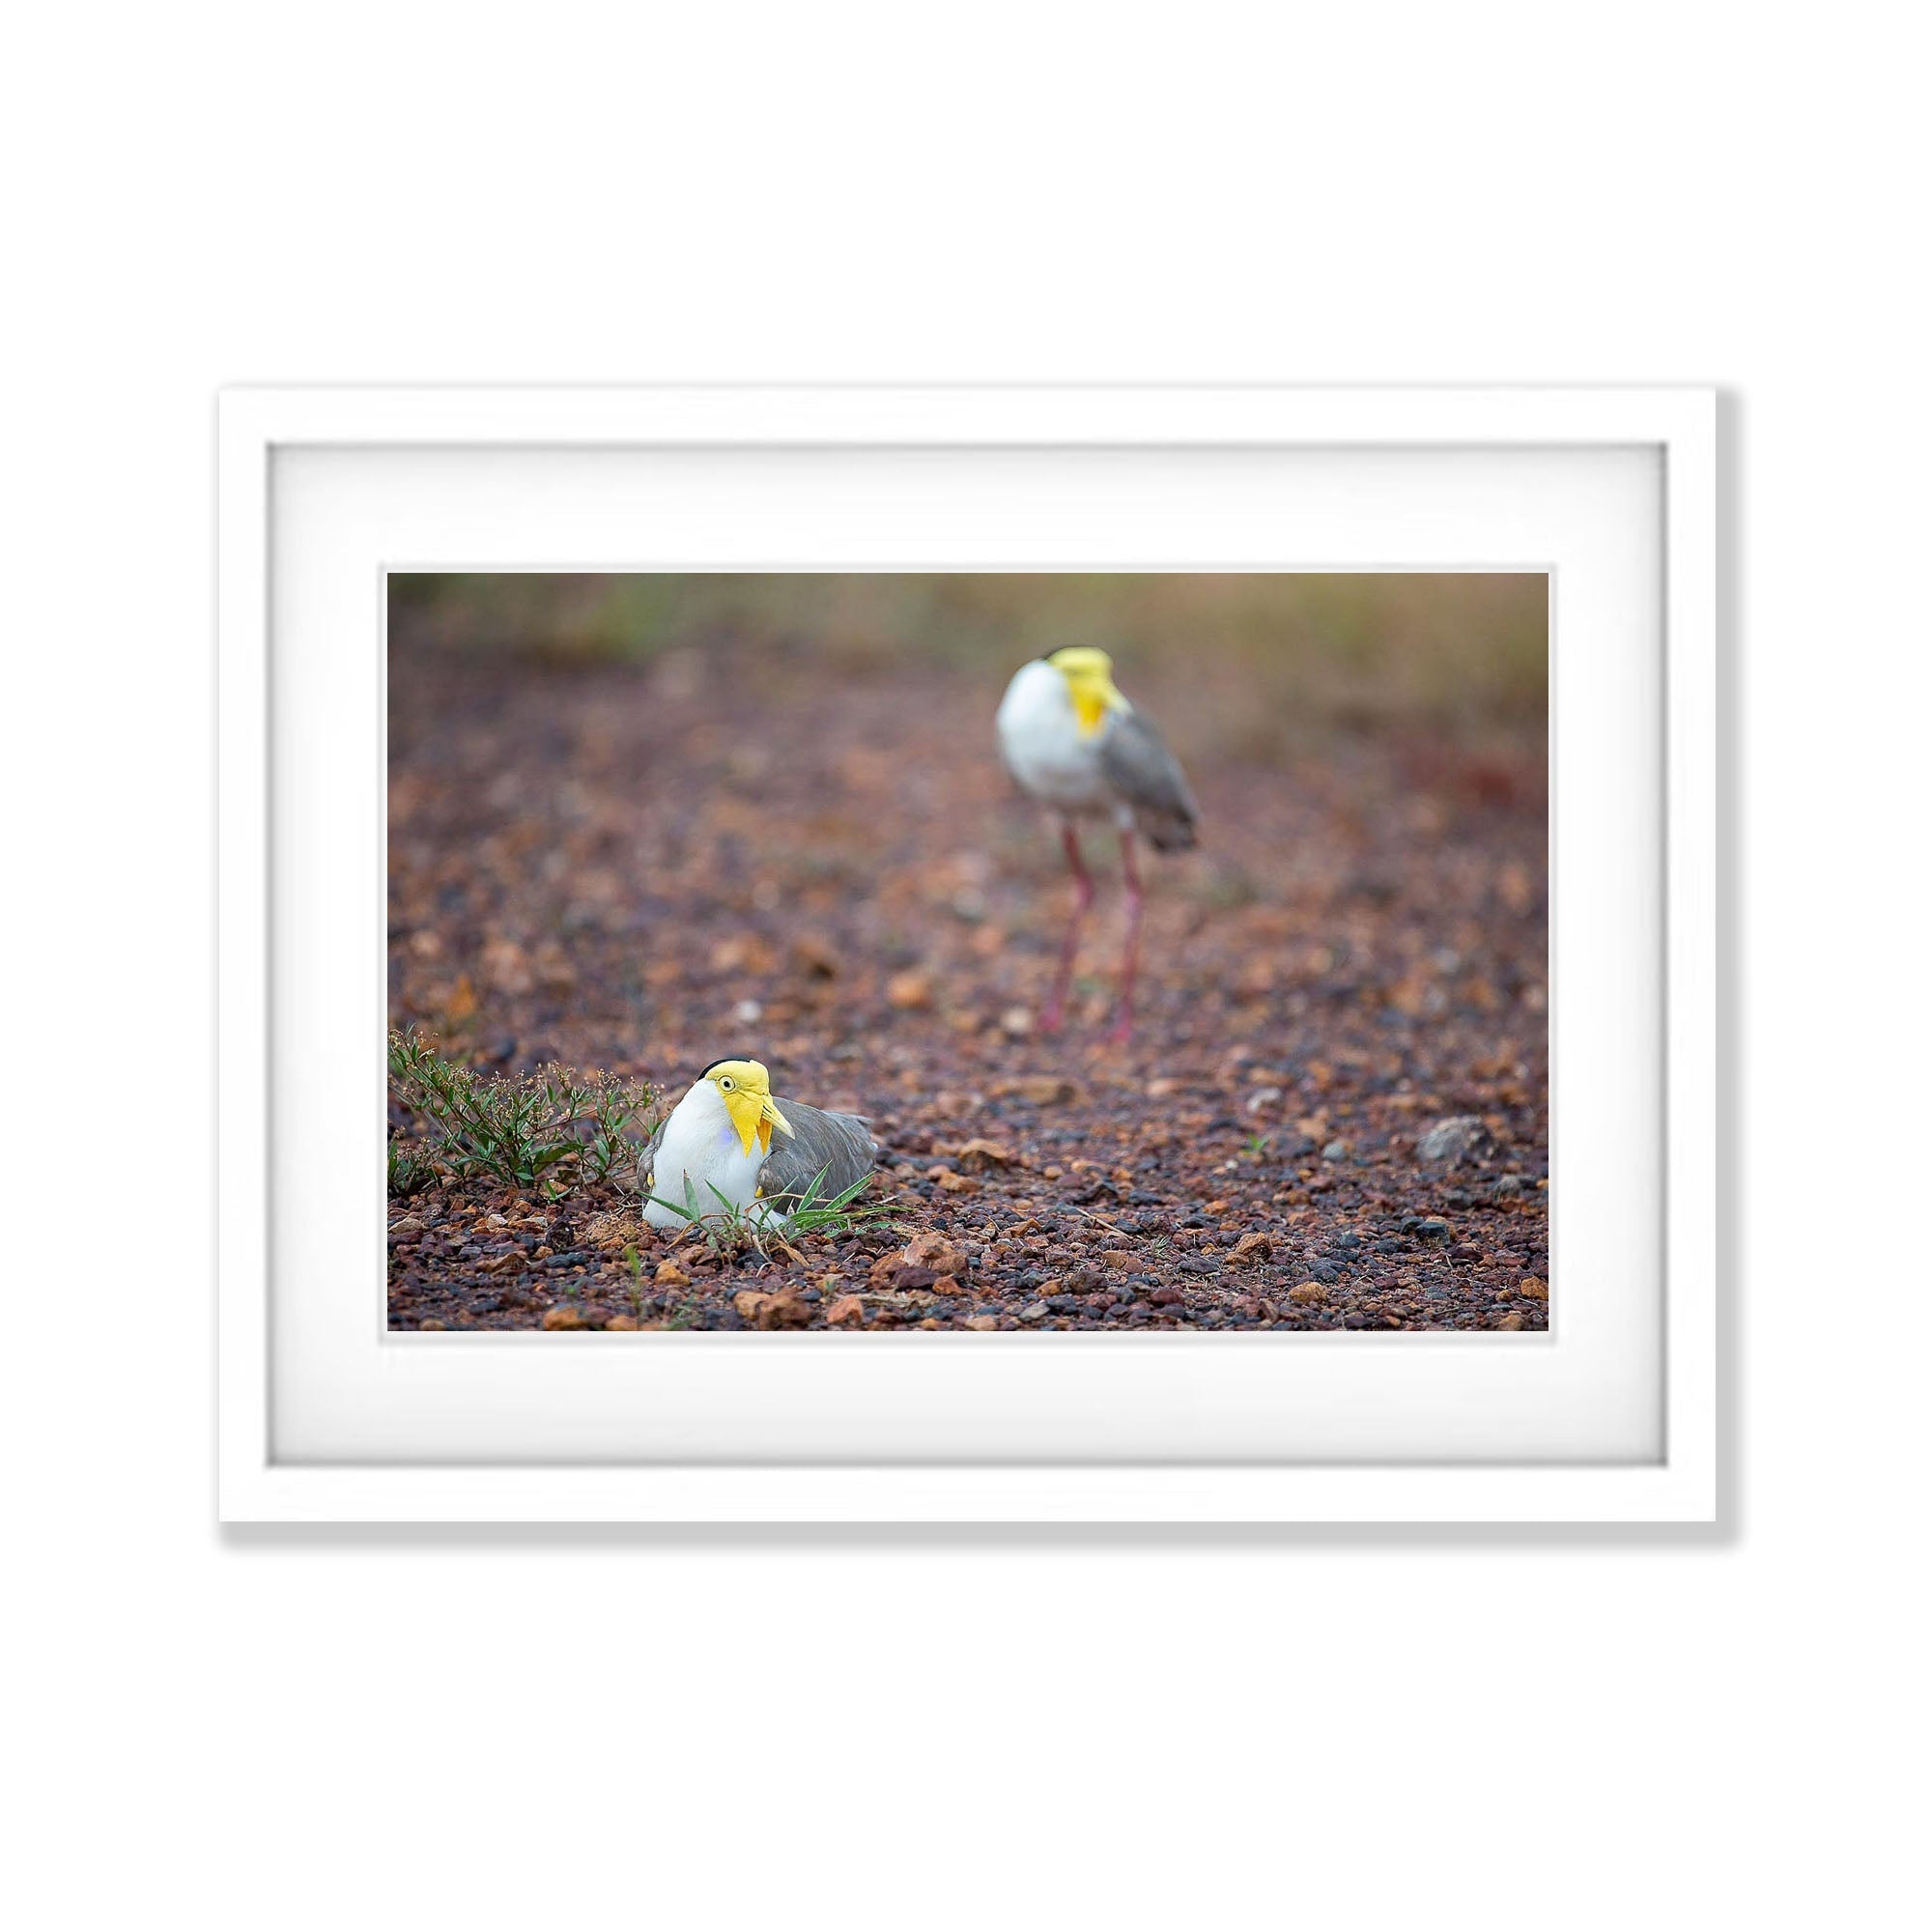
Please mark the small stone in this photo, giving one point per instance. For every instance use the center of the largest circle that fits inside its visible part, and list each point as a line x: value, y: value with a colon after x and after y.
x: 1034, y: 1311
x: 1335, y: 1150
x: 1530, y: 1286
x: 628, y: 1324
x: 952, y: 1183
x: 506, y: 968
x: 847, y: 1309
x: 563, y: 1315
x: 434, y: 1323
x: 751, y: 1303
x: 930, y: 1249
x: 1308, y: 1292
x: 1043, y: 1090
x: 1254, y: 1246
x: 1510, y: 1320
x: 815, y: 956
x: 983, y: 1323
x: 784, y: 1310
x: 1451, y: 1141
x: 910, y: 991
x: 1169, y: 1296
x: 1015, y: 1022
x: 982, y: 1157
x: 1120, y: 1257
x: 405, y: 1229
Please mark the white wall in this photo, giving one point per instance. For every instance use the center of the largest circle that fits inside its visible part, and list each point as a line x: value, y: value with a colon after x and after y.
x: 583, y: 1729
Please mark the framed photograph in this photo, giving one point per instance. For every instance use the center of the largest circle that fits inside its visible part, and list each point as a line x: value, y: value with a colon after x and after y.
x: 834, y: 955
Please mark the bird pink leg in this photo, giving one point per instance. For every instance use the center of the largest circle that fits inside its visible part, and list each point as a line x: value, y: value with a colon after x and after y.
x: 1083, y: 897
x: 1130, y: 951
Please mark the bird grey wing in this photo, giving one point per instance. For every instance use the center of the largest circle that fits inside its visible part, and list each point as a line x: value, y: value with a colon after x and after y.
x: 838, y: 1146
x: 1147, y: 778
x: 647, y: 1156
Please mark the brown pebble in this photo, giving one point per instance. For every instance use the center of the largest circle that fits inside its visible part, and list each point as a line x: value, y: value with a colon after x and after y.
x: 978, y: 1156
x: 909, y: 991
x: 785, y: 1311
x: 1043, y: 1090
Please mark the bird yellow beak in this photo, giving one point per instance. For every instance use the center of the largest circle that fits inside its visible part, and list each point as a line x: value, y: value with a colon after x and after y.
x: 1089, y: 683
x: 1090, y: 706
x: 755, y: 1116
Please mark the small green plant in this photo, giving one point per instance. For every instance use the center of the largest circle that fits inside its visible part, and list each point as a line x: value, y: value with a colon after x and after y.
x: 409, y: 1172
x: 543, y: 1132
x: 613, y: 1106
x: 837, y: 1214
x: 1258, y: 1144
x: 728, y: 1230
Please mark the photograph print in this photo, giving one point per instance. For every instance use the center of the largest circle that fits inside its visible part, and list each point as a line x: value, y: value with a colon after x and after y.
x: 1000, y: 954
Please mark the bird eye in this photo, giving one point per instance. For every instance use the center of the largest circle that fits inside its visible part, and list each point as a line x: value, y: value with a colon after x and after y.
x: 724, y: 1081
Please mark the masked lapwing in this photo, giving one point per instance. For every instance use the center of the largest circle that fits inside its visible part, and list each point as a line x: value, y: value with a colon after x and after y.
x: 1073, y: 742
x: 729, y: 1147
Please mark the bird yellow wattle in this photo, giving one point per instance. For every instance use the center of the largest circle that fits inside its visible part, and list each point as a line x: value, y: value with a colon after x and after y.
x: 746, y: 1089
x: 1090, y: 682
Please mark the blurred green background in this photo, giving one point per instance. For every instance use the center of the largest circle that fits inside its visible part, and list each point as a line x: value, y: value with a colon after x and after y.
x: 1316, y: 652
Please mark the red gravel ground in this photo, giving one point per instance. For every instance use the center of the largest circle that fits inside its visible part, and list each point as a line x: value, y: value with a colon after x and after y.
x: 642, y: 868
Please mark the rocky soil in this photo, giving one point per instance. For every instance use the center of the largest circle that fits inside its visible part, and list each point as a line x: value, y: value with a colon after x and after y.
x: 1333, y: 1115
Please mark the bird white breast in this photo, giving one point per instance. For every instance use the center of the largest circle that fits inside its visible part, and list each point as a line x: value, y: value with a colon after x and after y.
x: 701, y: 1147
x: 1040, y: 741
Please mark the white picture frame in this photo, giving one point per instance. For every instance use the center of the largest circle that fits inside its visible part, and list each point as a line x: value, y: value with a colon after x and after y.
x: 264, y: 433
